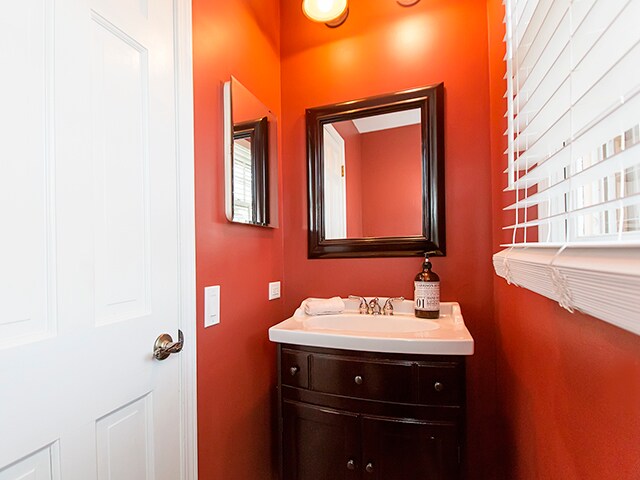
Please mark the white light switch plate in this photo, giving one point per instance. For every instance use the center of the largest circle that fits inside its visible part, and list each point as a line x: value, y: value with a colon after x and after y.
x: 211, y: 305
x: 274, y: 290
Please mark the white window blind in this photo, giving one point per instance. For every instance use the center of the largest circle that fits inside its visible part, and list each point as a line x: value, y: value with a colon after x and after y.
x: 573, y: 99
x: 242, y: 181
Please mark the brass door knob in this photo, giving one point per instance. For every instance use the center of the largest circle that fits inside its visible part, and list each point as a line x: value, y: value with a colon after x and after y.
x: 351, y: 465
x: 369, y: 467
x: 438, y: 387
x: 293, y: 371
x: 358, y: 380
x: 165, y: 346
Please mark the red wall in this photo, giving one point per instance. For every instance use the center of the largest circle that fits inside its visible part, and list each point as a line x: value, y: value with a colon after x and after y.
x: 567, y: 399
x: 236, y: 362
x: 568, y: 385
x: 383, y: 48
x: 392, y: 182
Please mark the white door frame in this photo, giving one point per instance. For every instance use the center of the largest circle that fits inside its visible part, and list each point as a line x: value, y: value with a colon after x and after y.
x: 336, y: 223
x: 186, y: 236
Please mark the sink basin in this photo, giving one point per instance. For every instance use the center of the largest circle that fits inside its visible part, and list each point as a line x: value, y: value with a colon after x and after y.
x: 372, y: 324
x: 400, y: 333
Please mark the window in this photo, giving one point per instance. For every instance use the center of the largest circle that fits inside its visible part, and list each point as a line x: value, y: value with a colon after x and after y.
x: 573, y: 96
x: 249, y: 172
x: 242, y: 180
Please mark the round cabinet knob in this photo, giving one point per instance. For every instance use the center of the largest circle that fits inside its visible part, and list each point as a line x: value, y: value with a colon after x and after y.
x: 358, y: 380
x: 438, y: 387
x: 351, y: 465
x: 294, y: 370
x: 369, y: 467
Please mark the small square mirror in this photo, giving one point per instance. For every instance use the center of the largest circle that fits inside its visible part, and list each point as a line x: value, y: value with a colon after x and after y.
x: 250, y: 137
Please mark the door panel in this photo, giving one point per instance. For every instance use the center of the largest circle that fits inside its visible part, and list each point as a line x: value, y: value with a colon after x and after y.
x: 121, y: 172
x: 40, y: 465
x: 27, y: 259
x: 122, y: 439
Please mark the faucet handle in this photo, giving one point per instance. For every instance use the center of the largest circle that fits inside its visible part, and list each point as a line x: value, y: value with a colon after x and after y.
x: 388, y: 306
x: 363, y: 308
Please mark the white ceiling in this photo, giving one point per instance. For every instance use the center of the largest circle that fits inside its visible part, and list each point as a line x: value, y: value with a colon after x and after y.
x: 387, y: 121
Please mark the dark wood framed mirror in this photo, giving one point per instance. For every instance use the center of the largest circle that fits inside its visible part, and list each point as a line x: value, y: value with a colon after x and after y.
x: 376, y: 176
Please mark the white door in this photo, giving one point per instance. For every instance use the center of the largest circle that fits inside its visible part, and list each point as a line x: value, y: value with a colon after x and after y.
x: 89, y: 245
x: 335, y: 187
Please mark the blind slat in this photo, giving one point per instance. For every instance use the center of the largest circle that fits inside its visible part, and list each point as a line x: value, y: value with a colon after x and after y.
x: 522, y: 11
x: 604, y: 19
x: 546, y: 44
x: 619, y: 162
x: 618, y: 82
x: 549, y: 114
x: 629, y: 201
x: 618, y: 118
x: 541, y: 85
x: 533, y: 14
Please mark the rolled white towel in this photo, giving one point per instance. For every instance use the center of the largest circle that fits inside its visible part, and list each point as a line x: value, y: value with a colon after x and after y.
x: 323, y: 306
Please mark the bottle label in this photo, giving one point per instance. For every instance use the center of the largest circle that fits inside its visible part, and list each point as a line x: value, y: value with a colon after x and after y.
x: 427, y: 296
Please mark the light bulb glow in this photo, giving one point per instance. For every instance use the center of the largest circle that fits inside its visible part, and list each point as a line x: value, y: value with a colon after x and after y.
x: 323, y: 10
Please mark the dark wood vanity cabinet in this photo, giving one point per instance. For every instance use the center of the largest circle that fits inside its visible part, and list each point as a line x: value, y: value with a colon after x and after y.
x: 360, y: 415
x: 319, y: 443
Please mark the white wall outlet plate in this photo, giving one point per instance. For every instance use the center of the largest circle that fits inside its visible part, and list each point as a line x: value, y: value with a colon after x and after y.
x: 211, y: 305
x: 274, y: 290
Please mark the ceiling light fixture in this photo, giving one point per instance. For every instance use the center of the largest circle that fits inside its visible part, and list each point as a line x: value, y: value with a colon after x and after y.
x: 332, y: 13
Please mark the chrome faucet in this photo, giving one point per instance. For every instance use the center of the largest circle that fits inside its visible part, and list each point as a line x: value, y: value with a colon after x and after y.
x: 388, y: 306
x: 371, y: 308
x: 374, y: 307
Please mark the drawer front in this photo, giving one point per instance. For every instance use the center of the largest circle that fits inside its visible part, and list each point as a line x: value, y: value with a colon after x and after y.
x: 441, y: 385
x: 294, y: 368
x: 361, y: 378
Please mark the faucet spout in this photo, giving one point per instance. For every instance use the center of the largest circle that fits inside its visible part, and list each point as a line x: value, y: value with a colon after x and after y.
x: 374, y: 307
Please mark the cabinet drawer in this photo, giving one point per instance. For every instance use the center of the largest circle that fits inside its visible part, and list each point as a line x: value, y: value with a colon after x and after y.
x: 294, y: 368
x: 441, y: 385
x: 361, y: 378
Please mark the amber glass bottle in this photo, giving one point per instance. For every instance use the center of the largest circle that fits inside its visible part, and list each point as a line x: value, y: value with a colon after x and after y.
x: 427, y: 292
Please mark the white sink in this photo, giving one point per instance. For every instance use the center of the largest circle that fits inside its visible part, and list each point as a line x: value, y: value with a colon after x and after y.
x: 373, y: 324
x: 399, y: 333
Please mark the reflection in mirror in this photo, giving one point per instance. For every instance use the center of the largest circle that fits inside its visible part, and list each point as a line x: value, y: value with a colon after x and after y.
x: 376, y: 176
x: 249, y: 192
x: 250, y: 158
x: 373, y: 176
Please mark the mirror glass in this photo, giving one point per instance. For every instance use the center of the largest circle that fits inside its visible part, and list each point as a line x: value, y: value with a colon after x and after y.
x: 250, y: 158
x: 373, y: 176
x: 376, y: 175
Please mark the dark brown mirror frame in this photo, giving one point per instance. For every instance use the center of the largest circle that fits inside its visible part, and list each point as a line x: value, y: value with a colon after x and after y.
x: 430, y: 101
x: 257, y: 130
